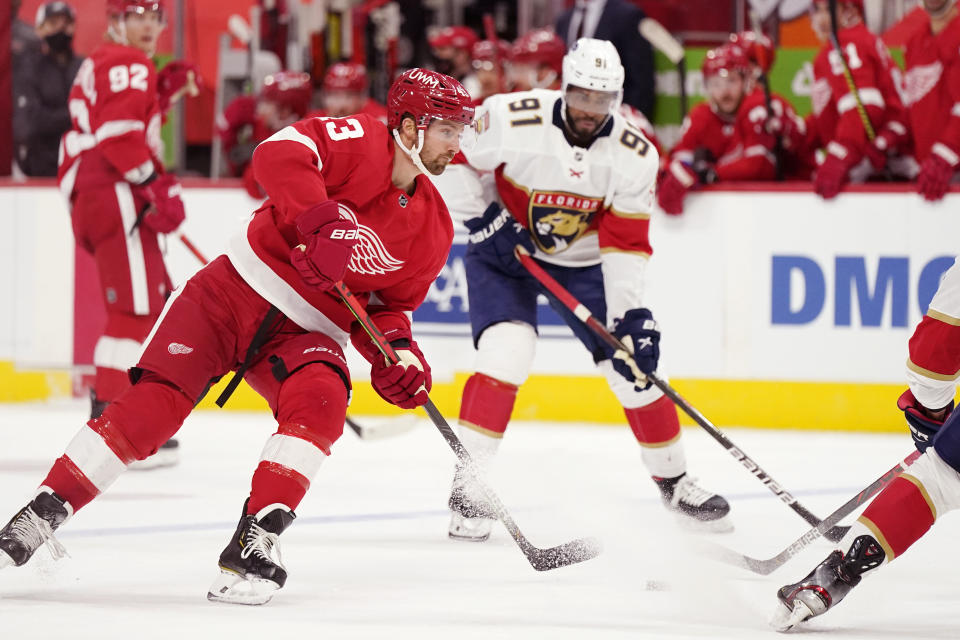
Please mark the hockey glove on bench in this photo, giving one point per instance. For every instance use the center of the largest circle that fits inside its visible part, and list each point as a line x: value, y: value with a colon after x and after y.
x: 640, y: 330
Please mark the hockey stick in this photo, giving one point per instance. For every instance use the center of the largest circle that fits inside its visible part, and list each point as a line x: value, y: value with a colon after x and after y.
x: 541, y: 559
x: 765, y: 84
x: 584, y: 315
x: 847, y: 76
x: 765, y: 567
x: 192, y: 248
x: 661, y: 39
x: 389, y: 428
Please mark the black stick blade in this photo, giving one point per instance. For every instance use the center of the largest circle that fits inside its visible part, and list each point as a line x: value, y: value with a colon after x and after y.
x: 579, y: 550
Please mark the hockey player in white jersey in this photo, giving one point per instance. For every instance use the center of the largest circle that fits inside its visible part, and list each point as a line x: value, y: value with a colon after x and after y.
x: 576, y: 182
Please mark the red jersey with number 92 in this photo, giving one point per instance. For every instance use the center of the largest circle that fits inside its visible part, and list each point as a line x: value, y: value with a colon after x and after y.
x: 404, y: 238
x: 115, y: 117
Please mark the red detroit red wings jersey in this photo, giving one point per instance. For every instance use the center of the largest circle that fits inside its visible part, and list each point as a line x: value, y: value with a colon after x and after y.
x: 932, y: 90
x: 742, y: 148
x: 115, y: 116
x: 404, y: 239
x: 877, y: 78
x: 703, y: 127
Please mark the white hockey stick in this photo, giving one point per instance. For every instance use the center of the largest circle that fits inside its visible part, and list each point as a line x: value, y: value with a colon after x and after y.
x: 657, y: 35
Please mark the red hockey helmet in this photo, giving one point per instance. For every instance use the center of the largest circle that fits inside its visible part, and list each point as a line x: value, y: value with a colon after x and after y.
x: 541, y: 47
x: 425, y: 95
x: 290, y: 89
x: 759, y: 48
x: 456, y: 37
x: 491, y: 51
x: 123, y: 7
x: 346, y: 76
x: 727, y: 58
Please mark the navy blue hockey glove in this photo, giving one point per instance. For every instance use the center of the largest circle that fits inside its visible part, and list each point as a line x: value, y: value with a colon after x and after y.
x: 638, y: 329
x: 923, y: 426
x: 497, y: 233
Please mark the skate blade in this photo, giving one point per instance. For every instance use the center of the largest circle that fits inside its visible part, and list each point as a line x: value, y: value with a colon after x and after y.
x: 469, y: 529
x: 785, y: 618
x: 720, y: 525
x: 162, y: 458
x: 232, y: 588
x: 5, y: 560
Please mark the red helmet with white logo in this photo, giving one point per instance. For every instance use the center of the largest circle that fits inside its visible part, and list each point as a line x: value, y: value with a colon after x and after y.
x: 425, y: 95
x: 541, y: 47
x: 123, y: 7
x: 759, y: 48
x: 290, y: 89
x: 346, y: 76
x: 727, y: 57
x: 456, y: 37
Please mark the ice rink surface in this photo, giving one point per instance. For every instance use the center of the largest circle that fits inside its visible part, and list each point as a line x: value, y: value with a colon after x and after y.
x: 369, y: 557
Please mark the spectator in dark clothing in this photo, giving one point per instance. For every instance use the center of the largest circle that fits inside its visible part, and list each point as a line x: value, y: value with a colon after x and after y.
x: 22, y: 37
x: 41, y: 87
x: 619, y: 22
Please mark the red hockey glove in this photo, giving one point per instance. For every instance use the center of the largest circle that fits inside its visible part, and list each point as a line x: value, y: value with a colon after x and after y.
x: 886, y: 142
x: 406, y: 383
x: 174, y: 80
x: 164, y: 211
x: 329, y: 241
x: 674, y: 184
x: 924, y: 423
x: 832, y: 174
x: 936, y: 172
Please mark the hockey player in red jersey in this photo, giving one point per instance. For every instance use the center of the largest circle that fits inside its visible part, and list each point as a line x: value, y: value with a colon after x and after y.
x: 347, y: 201
x: 346, y: 92
x: 837, y: 126
x: 930, y: 487
x: 732, y: 136
x: 249, y: 120
x: 120, y: 198
x: 576, y: 181
x: 932, y: 87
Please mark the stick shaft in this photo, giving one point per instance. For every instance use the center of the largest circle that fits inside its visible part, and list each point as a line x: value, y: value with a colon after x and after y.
x: 584, y: 315
x: 535, y: 556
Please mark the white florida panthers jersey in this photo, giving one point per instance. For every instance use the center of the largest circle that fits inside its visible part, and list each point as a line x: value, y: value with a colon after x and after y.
x: 581, y: 205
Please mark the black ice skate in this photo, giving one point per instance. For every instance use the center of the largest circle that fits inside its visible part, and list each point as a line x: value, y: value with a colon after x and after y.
x: 470, y: 516
x: 827, y: 584
x: 32, y: 527
x: 695, y: 506
x: 249, y: 574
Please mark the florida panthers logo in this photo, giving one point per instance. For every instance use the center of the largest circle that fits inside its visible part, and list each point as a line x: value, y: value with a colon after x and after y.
x: 558, y: 219
x: 370, y: 256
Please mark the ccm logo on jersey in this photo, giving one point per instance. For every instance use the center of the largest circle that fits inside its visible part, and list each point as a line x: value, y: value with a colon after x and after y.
x: 345, y: 234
